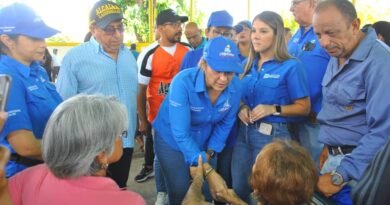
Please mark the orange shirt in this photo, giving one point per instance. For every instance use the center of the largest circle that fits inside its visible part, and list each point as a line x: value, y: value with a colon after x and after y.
x: 164, y: 68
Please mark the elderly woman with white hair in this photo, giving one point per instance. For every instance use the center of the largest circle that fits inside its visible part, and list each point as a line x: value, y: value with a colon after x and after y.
x: 81, y: 139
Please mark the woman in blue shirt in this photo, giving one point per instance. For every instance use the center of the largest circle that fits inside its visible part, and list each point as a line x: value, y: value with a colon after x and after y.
x: 274, y: 88
x: 196, y: 117
x: 32, y: 97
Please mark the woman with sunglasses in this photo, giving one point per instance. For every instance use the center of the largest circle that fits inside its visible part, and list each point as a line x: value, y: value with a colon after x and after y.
x: 275, y: 90
x: 32, y: 96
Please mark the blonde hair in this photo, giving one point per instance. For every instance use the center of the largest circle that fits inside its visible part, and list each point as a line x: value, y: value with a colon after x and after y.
x: 279, y: 48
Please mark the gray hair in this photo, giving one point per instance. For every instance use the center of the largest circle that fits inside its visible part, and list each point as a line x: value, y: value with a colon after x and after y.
x: 345, y: 7
x: 80, y: 129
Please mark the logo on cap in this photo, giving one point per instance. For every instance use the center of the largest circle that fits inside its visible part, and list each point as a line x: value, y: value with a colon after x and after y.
x: 107, y: 9
x: 226, y: 52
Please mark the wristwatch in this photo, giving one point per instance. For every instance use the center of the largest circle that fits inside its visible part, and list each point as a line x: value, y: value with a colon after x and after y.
x: 278, y: 110
x: 211, y: 153
x: 337, y: 179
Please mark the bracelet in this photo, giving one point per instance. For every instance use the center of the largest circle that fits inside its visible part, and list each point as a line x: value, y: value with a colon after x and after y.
x: 208, y: 172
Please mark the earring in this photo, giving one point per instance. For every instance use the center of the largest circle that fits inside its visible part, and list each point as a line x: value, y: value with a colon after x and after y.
x: 104, y: 166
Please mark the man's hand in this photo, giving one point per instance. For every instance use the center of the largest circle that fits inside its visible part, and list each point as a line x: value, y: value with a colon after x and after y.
x: 144, y: 127
x: 140, y: 141
x: 326, y: 187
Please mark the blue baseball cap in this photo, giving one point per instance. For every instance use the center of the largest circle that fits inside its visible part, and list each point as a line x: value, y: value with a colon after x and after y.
x: 246, y: 23
x: 220, y: 19
x: 238, y: 28
x: 221, y: 54
x: 19, y: 19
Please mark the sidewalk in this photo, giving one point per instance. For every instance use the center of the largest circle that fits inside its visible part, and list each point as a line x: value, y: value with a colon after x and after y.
x: 146, y: 189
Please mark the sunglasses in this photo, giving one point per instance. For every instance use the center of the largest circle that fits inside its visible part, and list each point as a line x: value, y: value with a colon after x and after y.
x: 110, y: 30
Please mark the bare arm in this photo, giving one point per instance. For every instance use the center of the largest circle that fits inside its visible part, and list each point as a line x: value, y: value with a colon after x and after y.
x: 144, y: 125
x: 194, y: 194
x: 25, y: 144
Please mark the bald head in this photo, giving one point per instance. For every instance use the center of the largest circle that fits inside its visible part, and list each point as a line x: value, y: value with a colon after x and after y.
x: 193, y: 34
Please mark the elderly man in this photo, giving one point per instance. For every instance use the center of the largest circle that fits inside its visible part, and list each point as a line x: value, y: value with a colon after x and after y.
x: 305, y: 46
x: 355, y: 112
x: 105, y: 66
x: 194, y: 35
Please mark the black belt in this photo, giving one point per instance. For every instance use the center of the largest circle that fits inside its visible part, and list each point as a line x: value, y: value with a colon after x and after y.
x: 336, y: 150
x: 24, y: 160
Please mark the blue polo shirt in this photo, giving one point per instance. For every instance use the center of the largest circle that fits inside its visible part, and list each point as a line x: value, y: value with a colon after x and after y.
x: 88, y: 69
x: 306, y: 47
x: 277, y: 83
x: 188, y: 122
x: 201, y: 45
x: 356, y: 104
x: 31, y: 101
x: 191, y: 59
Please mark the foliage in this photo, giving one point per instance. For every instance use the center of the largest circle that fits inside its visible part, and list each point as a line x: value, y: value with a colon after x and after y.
x: 137, y: 14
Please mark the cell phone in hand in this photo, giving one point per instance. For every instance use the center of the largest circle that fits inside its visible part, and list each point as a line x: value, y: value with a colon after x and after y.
x: 5, y: 83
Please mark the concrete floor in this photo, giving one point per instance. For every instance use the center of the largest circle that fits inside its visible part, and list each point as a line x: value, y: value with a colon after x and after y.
x: 146, y: 189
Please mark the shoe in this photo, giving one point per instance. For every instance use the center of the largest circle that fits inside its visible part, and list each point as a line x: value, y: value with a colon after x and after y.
x: 144, y: 174
x: 162, y: 198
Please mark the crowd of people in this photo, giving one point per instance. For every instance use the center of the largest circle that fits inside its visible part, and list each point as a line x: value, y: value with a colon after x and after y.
x: 247, y: 114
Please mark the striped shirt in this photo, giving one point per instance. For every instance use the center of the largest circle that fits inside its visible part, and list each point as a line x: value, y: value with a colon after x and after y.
x: 89, y: 69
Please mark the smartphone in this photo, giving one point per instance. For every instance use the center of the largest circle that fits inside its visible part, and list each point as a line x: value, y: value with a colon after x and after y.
x: 5, y: 83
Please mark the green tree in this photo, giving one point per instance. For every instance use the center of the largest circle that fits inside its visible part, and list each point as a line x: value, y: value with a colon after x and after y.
x: 137, y: 14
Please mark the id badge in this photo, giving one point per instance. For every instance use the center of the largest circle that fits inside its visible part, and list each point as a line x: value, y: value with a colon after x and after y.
x: 265, y: 128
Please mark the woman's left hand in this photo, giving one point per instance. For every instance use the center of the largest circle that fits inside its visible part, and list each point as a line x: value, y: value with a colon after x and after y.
x: 261, y: 111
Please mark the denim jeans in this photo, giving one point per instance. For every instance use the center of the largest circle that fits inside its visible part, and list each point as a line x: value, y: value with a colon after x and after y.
x: 248, y: 145
x: 308, y: 137
x: 175, y: 171
x: 343, y: 197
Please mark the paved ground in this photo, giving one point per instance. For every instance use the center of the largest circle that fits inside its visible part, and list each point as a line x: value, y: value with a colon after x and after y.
x: 146, y: 189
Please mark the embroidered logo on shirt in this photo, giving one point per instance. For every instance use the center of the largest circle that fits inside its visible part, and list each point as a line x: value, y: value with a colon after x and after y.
x: 196, y: 109
x: 174, y: 104
x: 13, y: 112
x: 163, y: 88
x: 226, y: 106
x: 33, y: 87
x: 275, y: 76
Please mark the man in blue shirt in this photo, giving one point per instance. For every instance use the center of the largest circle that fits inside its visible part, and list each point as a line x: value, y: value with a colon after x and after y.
x: 219, y: 23
x: 305, y: 46
x: 355, y: 112
x: 104, y: 66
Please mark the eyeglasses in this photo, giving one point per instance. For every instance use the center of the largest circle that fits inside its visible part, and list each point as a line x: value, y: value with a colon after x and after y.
x: 226, y: 34
x: 110, y: 30
x: 296, y: 2
x: 123, y: 134
x: 175, y: 25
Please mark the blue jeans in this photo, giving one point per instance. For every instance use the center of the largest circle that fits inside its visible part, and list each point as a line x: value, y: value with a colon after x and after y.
x: 248, y: 145
x: 343, y: 197
x: 175, y: 171
x: 308, y: 137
